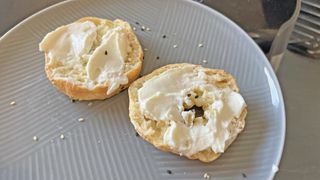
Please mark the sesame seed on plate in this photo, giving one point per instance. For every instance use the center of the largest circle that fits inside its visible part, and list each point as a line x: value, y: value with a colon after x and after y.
x: 61, y: 136
x: 90, y: 104
x: 81, y: 119
x: 12, y: 103
x: 35, y: 138
x: 206, y: 176
x: 134, y: 28
x: 205, y: 61
x: 148, y: 29
x: 175, y: 46
x: 200, y: 45
x: 145, y: 49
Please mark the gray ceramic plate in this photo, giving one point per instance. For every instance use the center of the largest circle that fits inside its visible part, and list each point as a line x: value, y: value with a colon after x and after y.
x: 105, y: 146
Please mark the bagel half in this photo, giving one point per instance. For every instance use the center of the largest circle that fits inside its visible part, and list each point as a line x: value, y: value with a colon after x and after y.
x: 153, y: 131
x: 74, y: 82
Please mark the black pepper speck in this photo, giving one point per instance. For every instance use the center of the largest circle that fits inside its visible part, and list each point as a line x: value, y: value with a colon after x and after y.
x: 196, y: 96
x: 244, y: 175
x: 73, y: 101
x: 137, y: 23
x: 137, y: 134
x: 164, y: 36
x: 106, y: 52
x: 158, y: 57
x: 169, y: 171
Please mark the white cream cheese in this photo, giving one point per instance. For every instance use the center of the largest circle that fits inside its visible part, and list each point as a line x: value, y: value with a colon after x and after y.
x: 107, y: 60
x: 105, y: 63
x: 69, y: 42
x: 164, y: 98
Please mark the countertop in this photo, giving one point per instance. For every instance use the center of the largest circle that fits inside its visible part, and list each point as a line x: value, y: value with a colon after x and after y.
x: 299, y: 78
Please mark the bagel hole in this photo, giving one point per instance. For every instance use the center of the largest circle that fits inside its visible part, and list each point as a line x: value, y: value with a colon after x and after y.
x: 198, y: 111
x: 198, y: 118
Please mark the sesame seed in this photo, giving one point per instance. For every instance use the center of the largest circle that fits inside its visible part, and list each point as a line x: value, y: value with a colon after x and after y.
x: 175, y: 46
x: 35, y: 138
x: 148, y: 29
x: 81, y: 119
x: 205, y: 61
x: 134, y: 28
x: 206, y: 176
x: 61, y: 136
x: 180, y: 154
x: 143, y: 28
x: 13, y: 103
x: 169, y: 171
x: 90, y: 104
x: 145, y: 49
x: 200, y: 45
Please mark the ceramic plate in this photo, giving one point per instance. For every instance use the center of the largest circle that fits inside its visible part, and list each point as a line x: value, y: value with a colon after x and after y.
x: 105, y: 145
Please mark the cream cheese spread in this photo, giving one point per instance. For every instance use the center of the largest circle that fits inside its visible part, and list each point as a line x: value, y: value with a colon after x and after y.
x: 105, y: 63
x: 169, y: 97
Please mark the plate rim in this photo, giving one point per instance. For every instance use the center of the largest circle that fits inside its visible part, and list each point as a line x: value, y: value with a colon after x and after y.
x: 227, y: 20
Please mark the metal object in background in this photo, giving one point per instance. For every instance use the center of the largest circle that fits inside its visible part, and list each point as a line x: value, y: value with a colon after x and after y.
x: 305, y: 38
x: 261, y: 19
x: 268, y: 22
x: 280, y: 42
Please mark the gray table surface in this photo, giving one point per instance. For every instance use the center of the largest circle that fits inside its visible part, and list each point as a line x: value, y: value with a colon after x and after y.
x: 300, y: 82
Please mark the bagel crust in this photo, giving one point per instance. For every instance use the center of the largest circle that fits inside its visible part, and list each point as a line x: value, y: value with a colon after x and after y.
x: 153, y: 131
x: 80, y: 91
